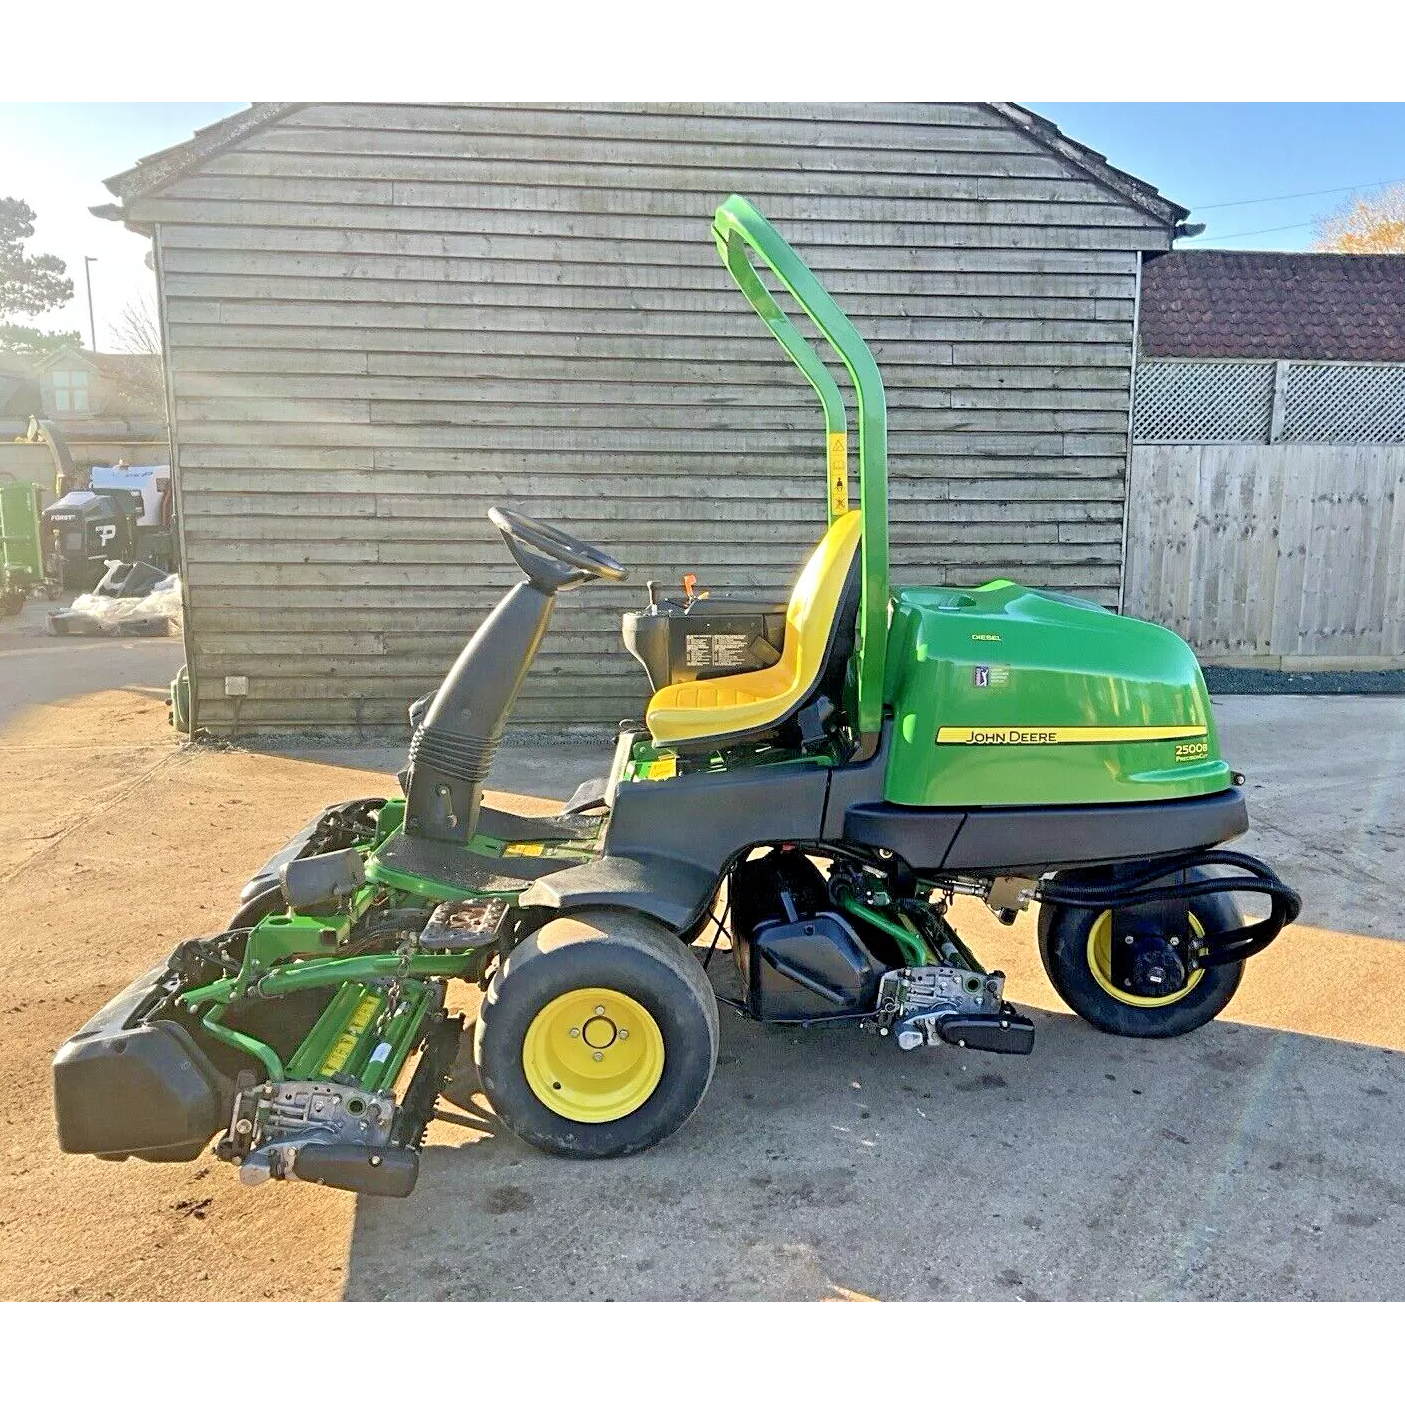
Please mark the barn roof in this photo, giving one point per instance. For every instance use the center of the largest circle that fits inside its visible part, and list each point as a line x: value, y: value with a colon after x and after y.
x: 1274, y: 306
x: 1092, y: 163
x: 162, y: 167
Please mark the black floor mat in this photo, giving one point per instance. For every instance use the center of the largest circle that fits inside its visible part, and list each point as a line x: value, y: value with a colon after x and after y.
x: 589, y: 795
x: 456, y: 867
x: 524, y: 829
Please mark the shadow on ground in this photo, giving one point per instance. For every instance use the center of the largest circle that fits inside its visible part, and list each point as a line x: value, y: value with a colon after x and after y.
x: 1235, y: 1163
x: 1257, y: 1158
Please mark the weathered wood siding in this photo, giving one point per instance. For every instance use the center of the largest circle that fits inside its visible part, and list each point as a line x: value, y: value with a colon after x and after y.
x: 382, y: 320
x: 1280, y: 555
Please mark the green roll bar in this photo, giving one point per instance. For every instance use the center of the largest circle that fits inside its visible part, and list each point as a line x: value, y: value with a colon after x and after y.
x: 738, y: 226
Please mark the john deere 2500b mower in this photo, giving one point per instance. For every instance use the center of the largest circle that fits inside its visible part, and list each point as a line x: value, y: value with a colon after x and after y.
x: 820, y: 778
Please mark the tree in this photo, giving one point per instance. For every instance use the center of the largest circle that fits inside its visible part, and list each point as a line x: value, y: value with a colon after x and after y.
x: 30, y: 341
x: 29, y: 284
x: 1362, y: 225
x: 137, y: 332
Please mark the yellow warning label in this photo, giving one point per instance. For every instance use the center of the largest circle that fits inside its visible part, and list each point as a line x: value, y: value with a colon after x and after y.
x: 533, y: 850
x: 361, y: 1016
x: 664, y: 768
x: 1060, y: 736
x: 838, y: 467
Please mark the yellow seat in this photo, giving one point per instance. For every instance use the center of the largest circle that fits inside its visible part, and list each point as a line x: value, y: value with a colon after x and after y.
x: 748, y: 702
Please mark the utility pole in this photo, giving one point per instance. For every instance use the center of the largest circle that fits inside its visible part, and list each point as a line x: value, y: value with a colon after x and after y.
x: 88, y: 261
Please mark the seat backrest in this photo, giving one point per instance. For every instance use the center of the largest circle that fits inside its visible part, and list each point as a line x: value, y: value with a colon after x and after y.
x: 814, y: 603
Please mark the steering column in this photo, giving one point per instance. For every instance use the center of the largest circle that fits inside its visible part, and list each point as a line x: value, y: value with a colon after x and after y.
x: 453, y: 746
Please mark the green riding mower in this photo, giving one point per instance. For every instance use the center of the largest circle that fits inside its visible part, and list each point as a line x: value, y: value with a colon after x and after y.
x: 818, y: 778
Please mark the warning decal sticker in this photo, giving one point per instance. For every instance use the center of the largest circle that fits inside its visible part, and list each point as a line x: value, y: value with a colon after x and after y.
x: 838, y: 469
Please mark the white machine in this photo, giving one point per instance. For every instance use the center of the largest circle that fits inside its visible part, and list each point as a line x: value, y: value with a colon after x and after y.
x: 152, y: 483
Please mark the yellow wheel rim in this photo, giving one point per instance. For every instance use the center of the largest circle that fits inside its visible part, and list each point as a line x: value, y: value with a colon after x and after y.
x: 1100, y: 964
x: 593, y: 1055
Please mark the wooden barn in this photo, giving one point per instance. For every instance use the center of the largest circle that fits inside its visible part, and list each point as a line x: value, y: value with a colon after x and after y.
x: 380, y: 320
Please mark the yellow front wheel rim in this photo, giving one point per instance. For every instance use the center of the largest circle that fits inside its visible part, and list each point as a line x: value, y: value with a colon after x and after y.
x: 593, y: 1055
x: 1100, y: 964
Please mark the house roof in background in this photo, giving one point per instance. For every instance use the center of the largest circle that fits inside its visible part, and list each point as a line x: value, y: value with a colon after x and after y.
x: 1274, y: 306
x: 16, y: 393
x: 42, y: 363
x: 19, y: 390
x: 103, y: 362
x: 131, y: 381
x: 162, y: 167
x: 118, y: 362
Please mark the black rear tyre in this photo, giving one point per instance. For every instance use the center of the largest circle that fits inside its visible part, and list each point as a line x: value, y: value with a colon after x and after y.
x: 598, y: 1035
x: 1072, y: 945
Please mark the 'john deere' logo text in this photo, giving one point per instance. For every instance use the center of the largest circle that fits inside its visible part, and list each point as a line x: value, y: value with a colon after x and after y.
x: 1010, y: 736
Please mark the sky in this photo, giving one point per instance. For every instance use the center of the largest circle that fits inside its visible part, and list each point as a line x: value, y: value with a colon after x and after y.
x: 1211, y: 156
x: 55, y: 157
x: 1256, y: 173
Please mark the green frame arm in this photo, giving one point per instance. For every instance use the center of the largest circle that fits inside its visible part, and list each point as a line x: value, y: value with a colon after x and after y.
x: 738, y: 227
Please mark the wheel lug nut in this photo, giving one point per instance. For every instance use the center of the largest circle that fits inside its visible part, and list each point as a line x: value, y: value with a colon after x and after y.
x: 624, y: 1034
x: 599, y: 1009
x: 597, y: 1057
x: 575, y: 1034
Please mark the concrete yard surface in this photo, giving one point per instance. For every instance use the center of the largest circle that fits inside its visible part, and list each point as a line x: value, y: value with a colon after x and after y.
x: 1261, y: 1157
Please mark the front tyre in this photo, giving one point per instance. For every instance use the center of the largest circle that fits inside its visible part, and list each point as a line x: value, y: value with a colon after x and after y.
x: 1146, y: 992
x: 598, y: 1035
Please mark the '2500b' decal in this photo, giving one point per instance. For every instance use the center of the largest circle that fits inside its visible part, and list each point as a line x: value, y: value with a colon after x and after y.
x: 1064, y: 736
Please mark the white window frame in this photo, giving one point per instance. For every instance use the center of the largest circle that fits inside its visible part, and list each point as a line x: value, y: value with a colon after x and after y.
x: 71, y: 387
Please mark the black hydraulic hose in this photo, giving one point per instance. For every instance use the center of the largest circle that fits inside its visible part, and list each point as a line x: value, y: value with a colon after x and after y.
x: 1069, y: 897
x: 1137, y: 889
x: 1083, y: 895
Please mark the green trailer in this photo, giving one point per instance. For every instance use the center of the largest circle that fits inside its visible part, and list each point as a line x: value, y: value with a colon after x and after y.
x: 814, y: 779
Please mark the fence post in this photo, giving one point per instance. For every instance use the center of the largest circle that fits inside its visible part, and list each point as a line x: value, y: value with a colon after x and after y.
x: 1280, y: 402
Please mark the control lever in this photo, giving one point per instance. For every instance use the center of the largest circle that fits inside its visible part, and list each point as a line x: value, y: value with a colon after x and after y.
x: 691, y: 593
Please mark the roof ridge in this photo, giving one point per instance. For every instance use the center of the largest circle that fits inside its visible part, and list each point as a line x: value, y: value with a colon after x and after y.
x: 169, y: 164
x: 1094, y: 164
x: 162, y: 167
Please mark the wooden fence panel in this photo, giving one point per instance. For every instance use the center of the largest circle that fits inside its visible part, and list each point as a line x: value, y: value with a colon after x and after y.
x: 1283, y: 555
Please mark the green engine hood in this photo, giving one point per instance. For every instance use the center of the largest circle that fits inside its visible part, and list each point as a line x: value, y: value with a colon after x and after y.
x: 1002, y: 695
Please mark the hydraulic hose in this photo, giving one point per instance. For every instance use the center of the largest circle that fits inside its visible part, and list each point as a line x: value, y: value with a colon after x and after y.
x: 1140, y: 887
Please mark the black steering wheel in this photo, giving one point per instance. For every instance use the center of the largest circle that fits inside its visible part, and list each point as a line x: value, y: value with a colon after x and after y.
x: 584, y: 561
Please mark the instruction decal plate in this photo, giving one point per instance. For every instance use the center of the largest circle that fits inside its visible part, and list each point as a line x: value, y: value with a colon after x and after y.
x: 717, y: 650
